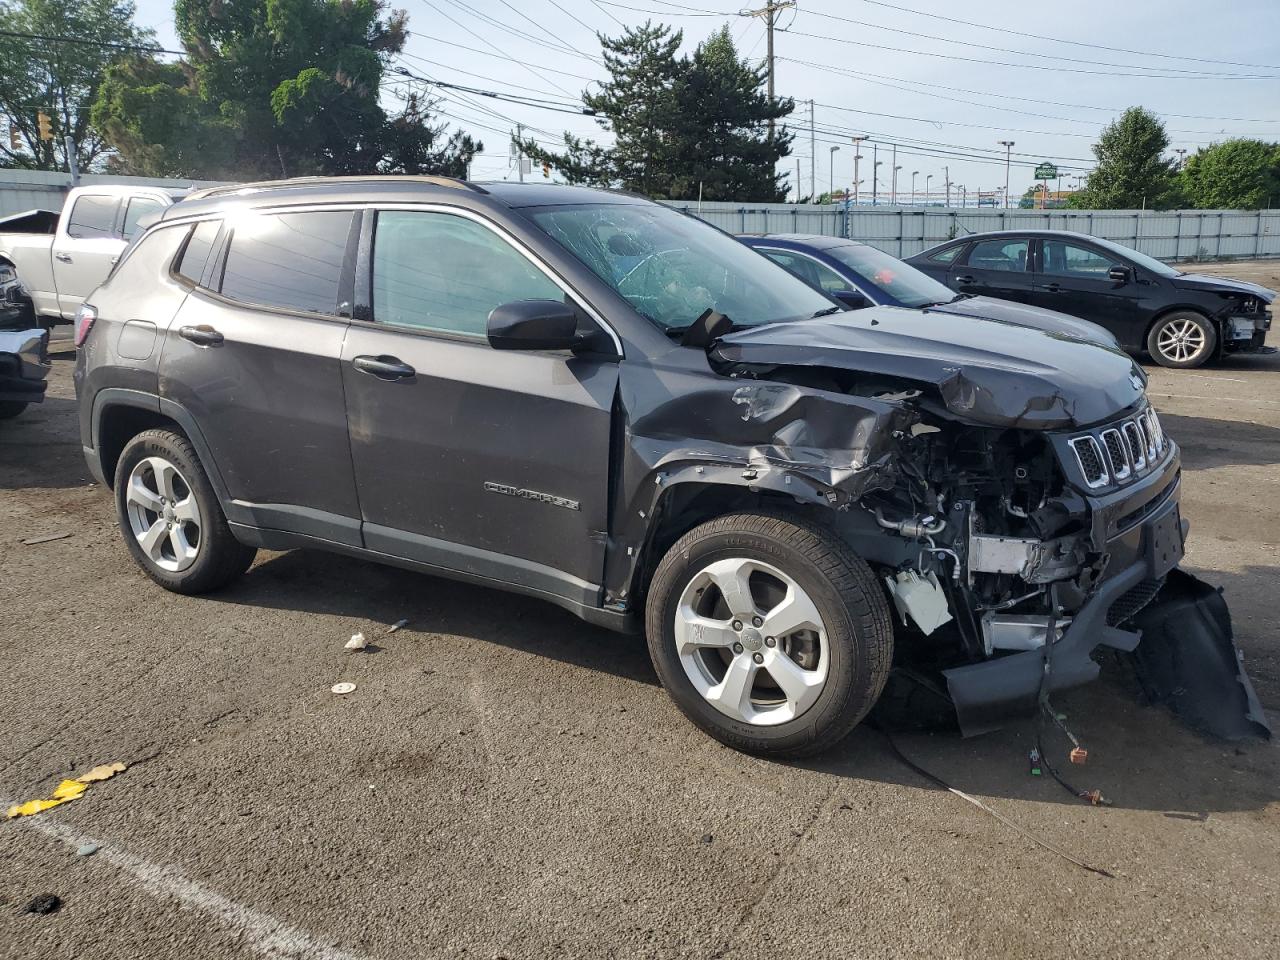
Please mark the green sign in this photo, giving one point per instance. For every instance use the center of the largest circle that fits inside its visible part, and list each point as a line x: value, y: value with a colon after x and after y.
x: 1046, y: 171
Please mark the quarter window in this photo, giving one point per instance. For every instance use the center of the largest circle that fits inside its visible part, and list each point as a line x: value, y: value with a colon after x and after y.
x: 438, y: 271
x: 138, y: 208
x: 1009, y: 255
x: 289, y: 260
x: 196, y: 253
x: 92, y: 217
x: 948, y: 255
x: 1073, y: 260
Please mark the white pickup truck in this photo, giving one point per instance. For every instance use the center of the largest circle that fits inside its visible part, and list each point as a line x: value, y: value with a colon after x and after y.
x: 60, y: 258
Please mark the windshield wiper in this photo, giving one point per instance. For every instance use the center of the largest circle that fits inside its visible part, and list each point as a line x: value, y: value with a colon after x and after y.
x: 827, y: 312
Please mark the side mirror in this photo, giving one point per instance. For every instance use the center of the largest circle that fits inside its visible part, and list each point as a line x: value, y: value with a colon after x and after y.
x: 533, y: 325
x: 1120, y: 274
x: 852, y: 299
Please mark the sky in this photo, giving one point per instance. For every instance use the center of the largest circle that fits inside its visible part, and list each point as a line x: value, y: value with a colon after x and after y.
x: 906, y: 73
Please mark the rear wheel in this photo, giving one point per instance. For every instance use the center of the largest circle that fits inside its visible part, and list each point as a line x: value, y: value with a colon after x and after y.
x: 1182, y: 340
x: 170, y: 517
x: 769, y: 633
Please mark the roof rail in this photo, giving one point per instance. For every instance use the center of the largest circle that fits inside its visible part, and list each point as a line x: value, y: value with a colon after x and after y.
x: 265, y: 185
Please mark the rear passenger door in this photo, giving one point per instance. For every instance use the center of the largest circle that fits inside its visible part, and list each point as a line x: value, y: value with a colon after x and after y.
x: 494, y: 462
x: 253, y: 355
x: 995, y: 268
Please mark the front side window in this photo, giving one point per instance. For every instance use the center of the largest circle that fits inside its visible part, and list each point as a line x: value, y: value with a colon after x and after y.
x: 899, y: 280
x: 92, y: 217
x: 672, y: 268
x: 1008, y: 255
x: 811, y: 271
x: 289, y: 260
x: 443, y: 272
x: 138, y: 208
x: 1073, y: 260
x: 196, y: 253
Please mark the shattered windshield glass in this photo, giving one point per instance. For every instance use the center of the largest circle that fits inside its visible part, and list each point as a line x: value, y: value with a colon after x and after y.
x: 672, y: 268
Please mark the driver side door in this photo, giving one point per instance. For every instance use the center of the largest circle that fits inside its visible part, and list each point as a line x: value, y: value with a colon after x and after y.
x: 492, y: 462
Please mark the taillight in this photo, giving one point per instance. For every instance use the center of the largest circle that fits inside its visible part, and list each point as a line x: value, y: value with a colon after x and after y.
x: 85, y: 317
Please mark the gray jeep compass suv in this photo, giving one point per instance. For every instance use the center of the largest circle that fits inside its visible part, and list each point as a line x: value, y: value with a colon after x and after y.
x: 596, y: 400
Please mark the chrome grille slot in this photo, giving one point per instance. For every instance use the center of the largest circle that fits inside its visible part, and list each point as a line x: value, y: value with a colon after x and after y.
x: 1137, y: 447
x: 1116, y: 454
x: 1089, y: 457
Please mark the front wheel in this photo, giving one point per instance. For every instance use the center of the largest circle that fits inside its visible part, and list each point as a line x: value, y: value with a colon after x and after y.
x: 1182, y: 340
x: 11, y: 408
x: 769, y: 633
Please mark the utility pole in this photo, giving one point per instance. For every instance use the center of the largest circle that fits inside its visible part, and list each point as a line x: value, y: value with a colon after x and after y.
x: 946, y: 173
x: 770, y: 14
x: 73, y: 166
x: 797, y: 179
x: 520, y: 151
x: 1182, y: 156
x: 875, y: 173
x: 813, y: 160
x: 893, y: 191
x: 1008, y: 147
x: 857, y: 155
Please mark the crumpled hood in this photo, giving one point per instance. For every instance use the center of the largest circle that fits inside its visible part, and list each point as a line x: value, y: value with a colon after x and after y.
x: 1200, y: 281
x: 1025, y: 315
x: 986, y: 371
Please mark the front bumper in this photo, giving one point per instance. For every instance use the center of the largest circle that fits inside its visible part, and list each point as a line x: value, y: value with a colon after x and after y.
x: 1139, y: 533
x: 24, y: 365
x: 1245, y: 333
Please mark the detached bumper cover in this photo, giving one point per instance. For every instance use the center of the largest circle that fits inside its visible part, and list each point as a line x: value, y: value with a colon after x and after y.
x: 24, y: 365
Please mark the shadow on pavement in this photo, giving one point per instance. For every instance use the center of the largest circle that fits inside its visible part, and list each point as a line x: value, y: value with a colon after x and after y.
x: 1207, y: 442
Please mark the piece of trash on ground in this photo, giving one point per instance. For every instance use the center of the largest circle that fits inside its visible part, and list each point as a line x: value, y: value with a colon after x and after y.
x: 398, y: 625
x: 86, y: 849
x: 67, y: 791
x: 357, y: 642
x: 343, y: 688
x: 44, y: 903
x: 47, y: 538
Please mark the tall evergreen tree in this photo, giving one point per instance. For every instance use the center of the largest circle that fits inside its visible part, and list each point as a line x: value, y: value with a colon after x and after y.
x: 678, y: 122
x: 1236, y: 174
x: 1132, y: 171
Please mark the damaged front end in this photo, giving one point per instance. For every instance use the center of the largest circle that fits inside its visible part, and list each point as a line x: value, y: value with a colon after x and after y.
x: 1005, y: 500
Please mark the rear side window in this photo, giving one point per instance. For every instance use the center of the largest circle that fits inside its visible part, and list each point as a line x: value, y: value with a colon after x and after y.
x: 437, y: 271
x: 92, y: 217
x: 1009, y: 255
x: 191, y: 264
x: 289, y: 260
x: 138, y: 208
x: 947, y: 255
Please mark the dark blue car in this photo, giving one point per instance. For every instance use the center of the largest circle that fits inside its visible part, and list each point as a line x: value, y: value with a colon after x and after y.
x: 859, y: 276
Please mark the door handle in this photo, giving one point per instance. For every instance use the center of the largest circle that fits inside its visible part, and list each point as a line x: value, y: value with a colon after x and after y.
x: 64, y: 257
x: 964, y: 279
x: 384, y: 367
x: 204, y: 335
x: 1052, y: 287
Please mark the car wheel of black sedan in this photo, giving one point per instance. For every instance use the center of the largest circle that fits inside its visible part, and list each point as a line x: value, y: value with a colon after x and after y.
x: 11, y: 408
x: 769, y: 633
x: 1182, y: 339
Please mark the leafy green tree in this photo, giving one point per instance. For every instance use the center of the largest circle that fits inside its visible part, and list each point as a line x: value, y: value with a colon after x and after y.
x: 59, y: 78
x: 274, y: 88
x: 678, y: 122
x: 1132, y: 171
x: 1233, y: 175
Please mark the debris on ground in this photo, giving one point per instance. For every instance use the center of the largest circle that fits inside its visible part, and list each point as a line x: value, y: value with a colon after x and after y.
x: 357, y: 642
x: 87, y: 849
x: 343, y: 688
x: 398, y: 625
x: 67, y: 790
x: 47, y: 538
x: 44, y: 903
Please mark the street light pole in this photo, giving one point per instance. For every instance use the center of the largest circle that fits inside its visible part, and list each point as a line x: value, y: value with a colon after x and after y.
x: 928, y: 177
x: 1008, y: 148
x: 857, y: 155
x: 946, y: 174
x: 831, y: 164
x: 875, y: 173
x: 913, y: 186
x: 895, y: 184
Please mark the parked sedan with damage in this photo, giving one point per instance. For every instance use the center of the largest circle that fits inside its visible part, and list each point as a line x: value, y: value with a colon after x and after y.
x: 1180, y: 319
x: 595, y: 400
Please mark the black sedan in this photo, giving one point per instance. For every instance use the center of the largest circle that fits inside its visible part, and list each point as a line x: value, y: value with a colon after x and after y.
x: 1181, y: 319
x: 859, y: 275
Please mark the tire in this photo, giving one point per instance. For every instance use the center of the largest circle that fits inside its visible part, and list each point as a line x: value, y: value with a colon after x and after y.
x: 838, y: 670
x: 1182, y: 339
x: 192, y: 549
x: 11, y: 408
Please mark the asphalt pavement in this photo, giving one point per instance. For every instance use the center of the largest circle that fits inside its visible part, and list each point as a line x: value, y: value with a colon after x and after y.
x: 506, y: 781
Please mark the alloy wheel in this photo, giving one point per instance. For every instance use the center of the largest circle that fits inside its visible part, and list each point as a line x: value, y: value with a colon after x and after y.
x: 751, y: 641
x: 163, y: 514
x: 1181, y: 340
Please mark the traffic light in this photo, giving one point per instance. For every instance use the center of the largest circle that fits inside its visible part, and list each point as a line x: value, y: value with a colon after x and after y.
x: 15, y: 137
x: 546, y: 169
x: 45, y: 125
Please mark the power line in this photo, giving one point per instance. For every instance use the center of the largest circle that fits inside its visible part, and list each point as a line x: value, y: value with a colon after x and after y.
x: 500, y: 56
x: 507, y: 97
x: 506, y: 28
x: 1075, y: 43
x: 48, y: 38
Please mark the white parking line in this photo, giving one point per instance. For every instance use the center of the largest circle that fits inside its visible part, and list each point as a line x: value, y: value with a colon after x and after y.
x: 262, y: 932
x: 1189, y: 396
